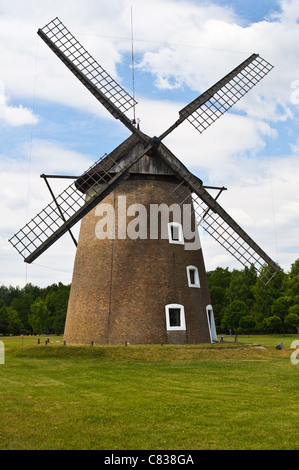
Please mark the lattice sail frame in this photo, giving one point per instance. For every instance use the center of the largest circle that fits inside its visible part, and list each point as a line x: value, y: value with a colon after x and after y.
x: 224, y: 95
x: 44, y: 225
x: 223, y: 233
x: 62, y: 38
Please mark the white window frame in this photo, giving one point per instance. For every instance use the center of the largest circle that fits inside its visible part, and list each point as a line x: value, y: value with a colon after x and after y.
x: 182, y: 326
x: 211, y: 323
x: 180, y: 241
x: 196, y: 276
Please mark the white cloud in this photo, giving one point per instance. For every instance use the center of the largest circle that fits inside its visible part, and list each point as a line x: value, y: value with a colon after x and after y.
x: 217, y: 44
x: 15, y: 115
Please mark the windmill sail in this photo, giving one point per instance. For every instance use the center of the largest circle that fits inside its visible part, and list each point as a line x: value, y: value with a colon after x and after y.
x: 218, y: 99
x: 105, y: 89
x: 70, y: 206
x: 219, y: 224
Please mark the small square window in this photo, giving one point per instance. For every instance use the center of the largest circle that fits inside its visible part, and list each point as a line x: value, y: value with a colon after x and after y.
x: 175, y: 233
x: 193, y: 276
x: 175, y: 317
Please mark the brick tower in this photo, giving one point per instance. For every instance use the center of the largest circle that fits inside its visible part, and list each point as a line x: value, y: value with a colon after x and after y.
x: 140, y: 280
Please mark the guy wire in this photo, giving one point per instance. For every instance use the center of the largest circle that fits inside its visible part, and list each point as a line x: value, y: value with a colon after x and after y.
x: 30, y: 148
x: 270, y: 175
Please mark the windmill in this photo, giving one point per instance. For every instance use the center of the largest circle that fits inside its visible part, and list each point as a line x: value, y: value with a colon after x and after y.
x: 141, y: 289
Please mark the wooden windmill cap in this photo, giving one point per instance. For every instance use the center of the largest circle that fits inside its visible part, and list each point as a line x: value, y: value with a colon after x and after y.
x: 150, y: 165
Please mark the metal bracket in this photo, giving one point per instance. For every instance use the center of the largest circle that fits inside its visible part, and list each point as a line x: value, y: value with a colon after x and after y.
x: 55, y: 200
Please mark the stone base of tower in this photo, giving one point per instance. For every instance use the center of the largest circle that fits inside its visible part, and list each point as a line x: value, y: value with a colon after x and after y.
x: 121, y: 287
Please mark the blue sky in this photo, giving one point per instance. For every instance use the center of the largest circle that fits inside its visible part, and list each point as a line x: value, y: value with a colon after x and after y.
x: 252, y: 12
x: 50, y: 124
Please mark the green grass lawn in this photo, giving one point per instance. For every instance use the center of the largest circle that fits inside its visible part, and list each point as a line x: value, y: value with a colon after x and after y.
x: 222, y: 396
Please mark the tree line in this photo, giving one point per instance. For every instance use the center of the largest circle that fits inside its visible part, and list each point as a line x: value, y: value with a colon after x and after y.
x: 33, y: 310
x: 241, y: 304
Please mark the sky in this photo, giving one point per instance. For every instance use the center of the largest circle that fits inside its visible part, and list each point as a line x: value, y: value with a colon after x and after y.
x: 49, y: 123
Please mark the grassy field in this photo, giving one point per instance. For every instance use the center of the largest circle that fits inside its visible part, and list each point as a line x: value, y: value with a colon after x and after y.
x: 222, y: 396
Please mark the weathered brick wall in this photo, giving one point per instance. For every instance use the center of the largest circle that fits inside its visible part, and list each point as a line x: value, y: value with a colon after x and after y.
x: 120, y: 287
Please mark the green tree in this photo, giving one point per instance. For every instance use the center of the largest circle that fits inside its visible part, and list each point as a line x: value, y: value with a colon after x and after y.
x: 233, y: 314
x: 3, y: 319
x: 294, y: 269
x: 280, y: 306
x: 22, y: 305
x: 14, y: 324
x: 291, y: 283
x: 219, y: 302
x: 273, y: 324
x: 241, y: 286
x: 57, y: 302
x: 7, y: 294
x: 292, y: 286
x: 219, y: 281
x: 247, y: 323
x: 264, y: 296
x: 39, y: 317
x: 291, y: 320
x: 294, y: 309
x: 219, y: 277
